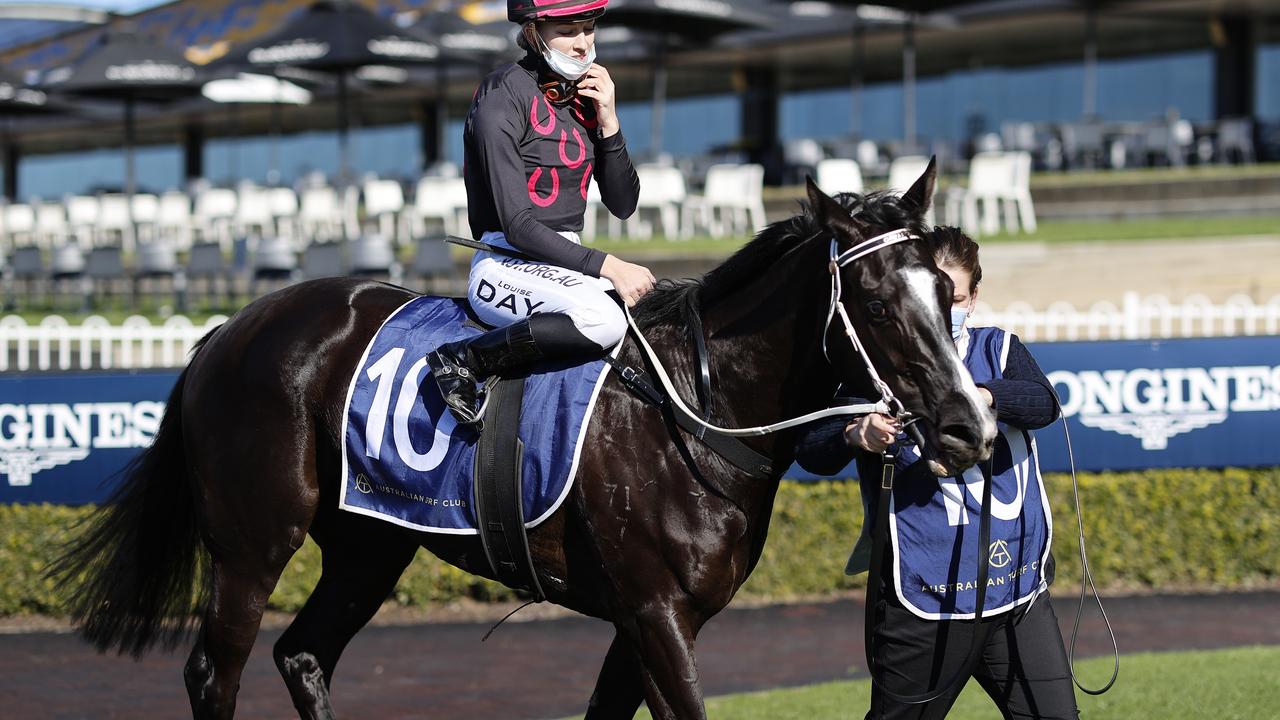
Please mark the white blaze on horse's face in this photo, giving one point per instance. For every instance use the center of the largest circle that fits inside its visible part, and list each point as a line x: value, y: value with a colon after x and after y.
x: 922, y: 285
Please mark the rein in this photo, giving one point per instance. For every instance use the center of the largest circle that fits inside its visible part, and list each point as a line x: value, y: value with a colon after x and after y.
x: 888, y: 403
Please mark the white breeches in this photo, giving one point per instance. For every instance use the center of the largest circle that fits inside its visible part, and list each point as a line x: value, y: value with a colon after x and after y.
x: 504, y: 290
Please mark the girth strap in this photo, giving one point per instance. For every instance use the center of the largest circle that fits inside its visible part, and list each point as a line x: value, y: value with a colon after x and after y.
x: 499, y: 497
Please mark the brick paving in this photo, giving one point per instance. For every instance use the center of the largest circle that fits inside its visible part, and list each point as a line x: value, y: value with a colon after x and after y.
x: 433, y: 670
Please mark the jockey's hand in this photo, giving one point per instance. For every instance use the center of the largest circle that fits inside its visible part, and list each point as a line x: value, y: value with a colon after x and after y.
x: 630, y: 280
x: 598, y: 86
x: 873, y: 432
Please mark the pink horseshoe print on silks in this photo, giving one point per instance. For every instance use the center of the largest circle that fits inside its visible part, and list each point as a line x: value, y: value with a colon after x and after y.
x: 582, y: 149
x: 533, y: 188
x: 550, y: 126
x: 586, y: 178
x: 589, y: 123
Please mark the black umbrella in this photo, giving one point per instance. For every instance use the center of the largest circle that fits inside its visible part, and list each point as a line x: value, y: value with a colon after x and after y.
x: 17, y: 98
x: 485, y: 45
x: 684, y: 19
x: 336, y: 36
x: 123, y: 67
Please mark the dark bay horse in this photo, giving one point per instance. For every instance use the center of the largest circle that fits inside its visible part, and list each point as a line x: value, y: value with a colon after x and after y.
x: 657, y: 534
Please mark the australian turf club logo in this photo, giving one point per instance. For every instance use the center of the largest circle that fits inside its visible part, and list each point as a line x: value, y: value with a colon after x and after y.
x: 1155, y: 405
x: 41, y: 436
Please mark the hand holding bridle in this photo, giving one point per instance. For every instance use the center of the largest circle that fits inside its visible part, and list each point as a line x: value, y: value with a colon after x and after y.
x: 872, y: 432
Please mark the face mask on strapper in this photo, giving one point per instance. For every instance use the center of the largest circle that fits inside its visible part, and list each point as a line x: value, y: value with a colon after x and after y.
x: 958, y: 318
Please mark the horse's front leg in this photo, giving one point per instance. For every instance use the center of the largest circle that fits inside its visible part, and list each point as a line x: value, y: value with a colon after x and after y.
x: 663, y: 636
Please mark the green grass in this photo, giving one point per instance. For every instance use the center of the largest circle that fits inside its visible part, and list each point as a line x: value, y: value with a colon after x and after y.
x: 1220, y: 685
x: 1064, y: 231
x: 1151, y: 175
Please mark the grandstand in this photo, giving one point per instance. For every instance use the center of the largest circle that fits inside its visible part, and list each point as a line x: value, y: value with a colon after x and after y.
x: 215, y: 217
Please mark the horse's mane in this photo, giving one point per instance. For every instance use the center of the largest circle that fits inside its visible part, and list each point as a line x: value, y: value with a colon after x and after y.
x: 671, y: 300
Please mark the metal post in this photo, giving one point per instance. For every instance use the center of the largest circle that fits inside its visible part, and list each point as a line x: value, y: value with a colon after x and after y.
x: 344, y: 149
x: 1090, y: 62
x: 856, y: 81
x: 12, y: 158
x: 130, y: 177
x: 909, y: 84
x: 659, y: 109
x: 192, y: 152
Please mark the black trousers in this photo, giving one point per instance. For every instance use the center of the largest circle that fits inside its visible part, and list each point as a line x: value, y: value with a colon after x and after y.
x: 1020, y: 662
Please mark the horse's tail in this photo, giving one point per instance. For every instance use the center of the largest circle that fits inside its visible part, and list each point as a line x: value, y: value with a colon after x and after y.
x: 135, y: 573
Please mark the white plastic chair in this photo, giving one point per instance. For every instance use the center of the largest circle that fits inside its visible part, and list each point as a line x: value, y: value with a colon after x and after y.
x: 663, y: 192
x: 50, y: 225
x: 115, y: 220
x: 283, y: 202
x: 903, y: 173
x: 253, y: 213
x: 319, y: 214
x: 215, y: 213
x: 19, y: 224
x: 1020, y: 192
x: 442, y: 199
x: 734, y: 192
x: 145, y: 210
x: 384, y: 204
x: 82, y: 216
x: 173, y: 219
x: 993, y: 180
x: 837, y: 175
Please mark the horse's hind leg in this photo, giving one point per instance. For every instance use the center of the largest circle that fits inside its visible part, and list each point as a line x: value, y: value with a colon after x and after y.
x: 362, y: 560
x: 240, y: 589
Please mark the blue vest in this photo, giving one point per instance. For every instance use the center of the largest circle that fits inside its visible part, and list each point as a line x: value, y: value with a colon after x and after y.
x: 934, y: 521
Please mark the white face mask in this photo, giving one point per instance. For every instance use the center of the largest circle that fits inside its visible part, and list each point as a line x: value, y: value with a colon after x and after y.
x: 959, y: 316
x: 567, y: 66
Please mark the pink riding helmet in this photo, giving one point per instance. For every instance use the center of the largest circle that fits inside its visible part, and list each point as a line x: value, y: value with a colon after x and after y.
x: 523, y: 11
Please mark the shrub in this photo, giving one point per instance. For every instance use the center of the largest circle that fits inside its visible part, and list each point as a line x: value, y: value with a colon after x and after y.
x: 1158, y: 529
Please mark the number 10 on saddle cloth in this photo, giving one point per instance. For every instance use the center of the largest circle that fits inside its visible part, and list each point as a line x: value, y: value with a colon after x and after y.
x: 404, y: 458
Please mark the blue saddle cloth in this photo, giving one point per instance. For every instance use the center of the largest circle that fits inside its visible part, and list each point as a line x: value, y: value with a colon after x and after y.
x: 405, y: 459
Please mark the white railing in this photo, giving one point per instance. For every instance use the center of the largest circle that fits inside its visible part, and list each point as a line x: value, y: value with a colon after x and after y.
x: 1137, y: 318
x: 55, y: 344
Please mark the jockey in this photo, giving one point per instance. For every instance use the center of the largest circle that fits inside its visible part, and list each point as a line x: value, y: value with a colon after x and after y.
x: 539, y: 129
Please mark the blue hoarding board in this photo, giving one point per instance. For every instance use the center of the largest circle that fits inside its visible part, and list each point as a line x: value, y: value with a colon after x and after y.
x: 1133, y: 404
x: 64, y: 436
x: 1209, y: 402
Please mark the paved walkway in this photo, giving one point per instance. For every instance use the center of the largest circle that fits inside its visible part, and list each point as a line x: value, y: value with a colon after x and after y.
x: 434, y: 671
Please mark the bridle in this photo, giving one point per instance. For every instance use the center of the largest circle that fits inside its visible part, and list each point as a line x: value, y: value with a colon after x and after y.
x: 888, y: 404
x: 836, y: 307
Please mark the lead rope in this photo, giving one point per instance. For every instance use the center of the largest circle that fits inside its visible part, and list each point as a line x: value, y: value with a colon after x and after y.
x: 1086, y: 576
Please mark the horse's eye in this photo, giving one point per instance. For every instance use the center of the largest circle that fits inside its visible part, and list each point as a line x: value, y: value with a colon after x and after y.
x: 878, y: 311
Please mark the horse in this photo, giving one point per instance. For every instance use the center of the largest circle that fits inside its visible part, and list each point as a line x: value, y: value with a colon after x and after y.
x: 656, y: 536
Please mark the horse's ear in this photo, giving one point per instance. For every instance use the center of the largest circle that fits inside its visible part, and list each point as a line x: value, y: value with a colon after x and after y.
x: 918, y: 199
x: 831, y: 214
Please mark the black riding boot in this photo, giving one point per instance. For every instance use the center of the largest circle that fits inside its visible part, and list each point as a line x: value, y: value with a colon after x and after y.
x: 458, y: 366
